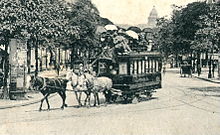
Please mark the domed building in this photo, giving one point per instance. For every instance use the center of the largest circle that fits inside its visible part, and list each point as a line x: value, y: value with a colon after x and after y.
x: 152, y: 19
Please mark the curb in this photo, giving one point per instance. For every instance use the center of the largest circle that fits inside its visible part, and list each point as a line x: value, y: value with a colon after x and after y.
x: 205, y: 79
x: 22, y: 104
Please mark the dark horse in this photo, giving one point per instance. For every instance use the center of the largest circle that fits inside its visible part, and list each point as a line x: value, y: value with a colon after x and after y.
x: 48, y: 86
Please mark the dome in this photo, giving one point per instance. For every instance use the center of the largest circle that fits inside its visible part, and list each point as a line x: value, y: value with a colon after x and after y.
x: 152, y: 19
x: 154, y: 13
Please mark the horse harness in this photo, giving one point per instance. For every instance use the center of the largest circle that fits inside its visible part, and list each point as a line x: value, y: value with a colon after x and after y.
x: 45, y: 86
x: 88, y: 83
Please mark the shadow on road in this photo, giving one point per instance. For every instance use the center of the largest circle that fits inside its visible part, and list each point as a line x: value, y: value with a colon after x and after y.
x: 208, y: 91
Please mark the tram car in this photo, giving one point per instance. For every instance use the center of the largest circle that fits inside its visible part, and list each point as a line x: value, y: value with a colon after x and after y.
x: 135, y: 74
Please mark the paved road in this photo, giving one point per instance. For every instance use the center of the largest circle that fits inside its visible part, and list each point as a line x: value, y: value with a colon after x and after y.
x: 184, y: 106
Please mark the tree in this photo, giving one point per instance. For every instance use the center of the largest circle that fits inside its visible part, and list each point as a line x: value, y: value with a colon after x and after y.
x: 186, y: 22
x: 41, y: 20
x: 86, y: 16
x: 164, y: 37
x: 177, y: 35
x: 208, y: 36
x: 47, y: 21
x: 209, y: 33
x: 10, y: 27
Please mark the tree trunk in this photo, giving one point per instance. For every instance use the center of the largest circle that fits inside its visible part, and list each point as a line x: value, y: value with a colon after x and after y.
x: 41, y: 60
x: 58, y: 62
x: 36, y: 57
x: 29, y: 56
x: 46, y: 59
x: 210, y: 68
x: 72, y: 57
x: 5, y: 94
x: 65, y: 59
x: 176, y: 64
x: 198, y: 64
x: 206, y: 59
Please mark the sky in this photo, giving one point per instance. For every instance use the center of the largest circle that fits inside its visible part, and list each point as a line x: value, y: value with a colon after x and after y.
x: 135, y: 12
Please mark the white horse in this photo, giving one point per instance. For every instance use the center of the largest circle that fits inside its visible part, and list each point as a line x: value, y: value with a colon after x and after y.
x: 79, y: 85
x: 88, y: 84
x: 97, y: 85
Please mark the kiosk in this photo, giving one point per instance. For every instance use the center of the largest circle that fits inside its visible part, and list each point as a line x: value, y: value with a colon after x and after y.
x: 17, y: 66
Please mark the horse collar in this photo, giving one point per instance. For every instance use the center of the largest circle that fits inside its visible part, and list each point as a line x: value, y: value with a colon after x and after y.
x: 44, y: 84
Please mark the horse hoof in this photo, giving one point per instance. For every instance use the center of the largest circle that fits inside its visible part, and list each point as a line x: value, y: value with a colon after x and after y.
x: 66, y: 105
x: 40, y: 110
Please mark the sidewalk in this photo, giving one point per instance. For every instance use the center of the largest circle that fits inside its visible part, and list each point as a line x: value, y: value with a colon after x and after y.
x: 204, y: 76
x: 30, y: 97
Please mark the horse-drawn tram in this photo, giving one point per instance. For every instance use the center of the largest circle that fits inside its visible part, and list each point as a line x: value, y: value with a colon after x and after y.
x: 134, y: 74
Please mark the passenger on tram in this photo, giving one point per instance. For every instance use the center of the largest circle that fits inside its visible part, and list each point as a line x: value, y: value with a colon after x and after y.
x: 121, y: 45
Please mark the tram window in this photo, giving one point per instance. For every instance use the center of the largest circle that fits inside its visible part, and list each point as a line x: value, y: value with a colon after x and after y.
x: 135, y: 67
x: 123, y: 68
x: 139, y: 67
x: 147, y: 66
x: 157, y: 66
x: 152, y: 65
x: 143, y: 66
x: 132, y: 67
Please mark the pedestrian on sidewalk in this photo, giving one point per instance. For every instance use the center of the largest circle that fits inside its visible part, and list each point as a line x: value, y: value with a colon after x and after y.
x: 213, y: 68
x: 57, y: 68
x: 199, y: 69
x: 164, y: 70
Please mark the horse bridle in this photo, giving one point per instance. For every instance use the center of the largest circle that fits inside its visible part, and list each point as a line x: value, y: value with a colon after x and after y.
x: 43, y: 86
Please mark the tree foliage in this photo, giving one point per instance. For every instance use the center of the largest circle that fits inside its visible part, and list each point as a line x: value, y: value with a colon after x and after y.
x: 208, y: 36
x: 164, y: 36
x: 177, y: 35
x: 85, y: 15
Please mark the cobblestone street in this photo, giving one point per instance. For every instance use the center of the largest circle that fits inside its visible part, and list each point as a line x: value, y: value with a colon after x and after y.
x: 183, y: 106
